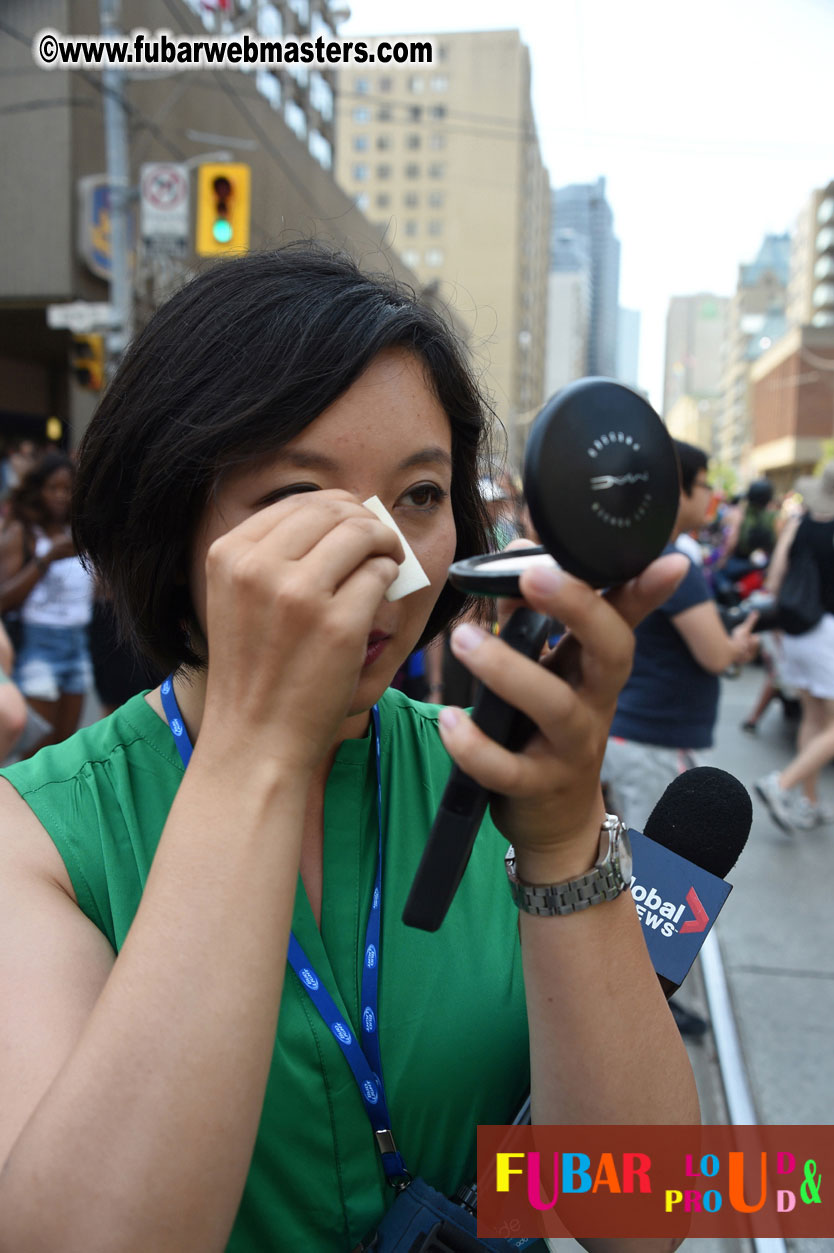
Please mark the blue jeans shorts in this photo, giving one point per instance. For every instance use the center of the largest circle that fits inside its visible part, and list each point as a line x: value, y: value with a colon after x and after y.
x: 53, y: 660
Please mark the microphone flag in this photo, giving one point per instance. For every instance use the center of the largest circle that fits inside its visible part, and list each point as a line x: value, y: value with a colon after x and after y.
x: 677, y: 903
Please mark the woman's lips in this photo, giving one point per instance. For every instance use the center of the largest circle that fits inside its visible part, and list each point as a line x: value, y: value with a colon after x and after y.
x: 376, y: 643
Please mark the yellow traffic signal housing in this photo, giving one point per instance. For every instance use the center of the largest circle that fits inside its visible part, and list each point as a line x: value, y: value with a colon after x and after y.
x: 87, y: 361
x: 223, y: 209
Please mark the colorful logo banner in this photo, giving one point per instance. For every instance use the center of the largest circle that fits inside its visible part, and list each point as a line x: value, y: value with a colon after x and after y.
x: 647, y: 1182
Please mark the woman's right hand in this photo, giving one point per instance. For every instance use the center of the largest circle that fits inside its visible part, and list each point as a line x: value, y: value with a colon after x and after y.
x: 289, y: 600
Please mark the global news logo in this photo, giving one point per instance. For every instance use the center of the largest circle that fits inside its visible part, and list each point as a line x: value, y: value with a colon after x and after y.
x: 665, y: 916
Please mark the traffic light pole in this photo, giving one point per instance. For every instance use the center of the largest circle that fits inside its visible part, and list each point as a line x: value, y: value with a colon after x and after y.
x: 118, y: 178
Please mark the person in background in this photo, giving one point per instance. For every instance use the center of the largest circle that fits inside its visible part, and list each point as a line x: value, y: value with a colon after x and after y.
x: 807, y: 664
x: 12, y: 704
x: 667, y: 710
x: 42, y: 577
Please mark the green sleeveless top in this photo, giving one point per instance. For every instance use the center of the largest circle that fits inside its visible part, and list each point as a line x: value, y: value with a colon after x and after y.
x: 453, y: 1026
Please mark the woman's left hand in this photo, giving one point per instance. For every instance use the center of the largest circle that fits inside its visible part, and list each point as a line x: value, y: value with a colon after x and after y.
x: 548, y: 801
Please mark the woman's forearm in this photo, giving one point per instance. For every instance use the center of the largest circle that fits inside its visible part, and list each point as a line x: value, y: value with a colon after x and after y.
x: 144, y: 1139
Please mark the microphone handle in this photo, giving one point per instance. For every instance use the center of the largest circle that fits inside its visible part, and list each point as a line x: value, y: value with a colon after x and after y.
x: 464, y: 801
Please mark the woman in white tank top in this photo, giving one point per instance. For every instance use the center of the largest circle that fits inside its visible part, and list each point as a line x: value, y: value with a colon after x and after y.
x: 49, y: 595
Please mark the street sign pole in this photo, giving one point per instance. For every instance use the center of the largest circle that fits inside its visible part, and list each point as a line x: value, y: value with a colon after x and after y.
x: 115, y: 135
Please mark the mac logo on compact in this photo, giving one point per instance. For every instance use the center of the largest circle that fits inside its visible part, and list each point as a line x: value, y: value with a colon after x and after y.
x: 624, y: 506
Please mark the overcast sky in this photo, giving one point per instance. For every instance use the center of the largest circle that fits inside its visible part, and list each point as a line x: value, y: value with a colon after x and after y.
x: 711, y: 121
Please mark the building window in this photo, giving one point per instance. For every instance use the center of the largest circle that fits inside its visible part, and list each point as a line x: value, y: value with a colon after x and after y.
x: 437, y: 140
x: 411, y: 200
x: 383, y: 171
x: 412, y: 141
x: 825, y: 212
x: 439, y: 82
x: 416, y: 84
x: 436, y: 199
x: 385, y: 84
x: 269, y: 22
x: 361, y: 86
x: 359, y: 173
x: 434, y: 256
x: 383, y: 113
x: 383, y: 200
x: 435, y: 226
x: 383, y: 142
x: 411, y: 227
x: 296, y: 119
x: 436, y: 170
x: 361, y: 115
x: 269, y: 87
x: 437, y: 112
x: 412, y: 171
x: 321, y: 149
x: 411, y: 257
x: 363, y: 202
x: 415, y: 113
x: 360, y: 143
x: 321, y: 95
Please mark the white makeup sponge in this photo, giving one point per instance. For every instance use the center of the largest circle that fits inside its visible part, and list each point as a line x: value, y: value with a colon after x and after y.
x: 412, y: 576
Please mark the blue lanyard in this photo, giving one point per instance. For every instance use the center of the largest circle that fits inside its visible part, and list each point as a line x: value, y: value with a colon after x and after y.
x: 364, y: 1059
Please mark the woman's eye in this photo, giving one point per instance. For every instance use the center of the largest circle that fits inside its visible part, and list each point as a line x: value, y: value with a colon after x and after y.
x: 423, y: 496
x: 282, y: 493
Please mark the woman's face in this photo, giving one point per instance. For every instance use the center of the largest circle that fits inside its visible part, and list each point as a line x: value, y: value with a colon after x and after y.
x: 386, y: 436
x: 56, y: 494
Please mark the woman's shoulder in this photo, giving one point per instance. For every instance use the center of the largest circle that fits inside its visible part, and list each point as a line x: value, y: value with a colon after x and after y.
x: 134, y: 733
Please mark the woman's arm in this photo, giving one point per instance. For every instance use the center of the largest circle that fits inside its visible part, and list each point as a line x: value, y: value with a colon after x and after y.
x: 19, y: 575
x: 779, y: 561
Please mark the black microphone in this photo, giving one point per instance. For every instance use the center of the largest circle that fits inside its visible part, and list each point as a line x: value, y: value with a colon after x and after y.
x: 693, y: 838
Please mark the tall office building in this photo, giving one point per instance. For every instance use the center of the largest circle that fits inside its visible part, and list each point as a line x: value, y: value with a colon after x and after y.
x: 446, y: 158
x: 696, y: 330
x: 582, y: 208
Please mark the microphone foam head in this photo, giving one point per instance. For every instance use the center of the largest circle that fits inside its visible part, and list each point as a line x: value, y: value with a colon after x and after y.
x: 705, y: 815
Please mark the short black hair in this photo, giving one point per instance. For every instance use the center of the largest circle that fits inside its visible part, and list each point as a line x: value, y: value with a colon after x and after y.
x: 231, y: 368
x: 691, y: 459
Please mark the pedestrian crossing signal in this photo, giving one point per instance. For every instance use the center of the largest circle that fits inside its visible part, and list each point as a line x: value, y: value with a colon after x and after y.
x: 223, y: 209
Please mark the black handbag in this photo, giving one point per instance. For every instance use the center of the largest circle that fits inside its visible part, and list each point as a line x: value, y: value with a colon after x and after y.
x: 800, y: 596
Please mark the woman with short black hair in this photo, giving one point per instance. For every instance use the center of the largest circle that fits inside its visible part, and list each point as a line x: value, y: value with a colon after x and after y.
x: 175, y: 1085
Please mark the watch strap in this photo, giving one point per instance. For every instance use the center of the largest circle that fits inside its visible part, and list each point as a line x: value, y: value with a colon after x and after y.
x: 603, y: 882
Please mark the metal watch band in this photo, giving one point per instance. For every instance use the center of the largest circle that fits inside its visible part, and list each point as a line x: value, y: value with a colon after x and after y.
x: 603, y: 882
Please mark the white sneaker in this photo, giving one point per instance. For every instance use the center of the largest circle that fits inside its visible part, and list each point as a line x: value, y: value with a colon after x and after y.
x: 777, y: 800
x: 805, y: 815
x: 808, y: 815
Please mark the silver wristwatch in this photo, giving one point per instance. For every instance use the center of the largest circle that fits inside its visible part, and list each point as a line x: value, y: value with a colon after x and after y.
x: 608, y: 878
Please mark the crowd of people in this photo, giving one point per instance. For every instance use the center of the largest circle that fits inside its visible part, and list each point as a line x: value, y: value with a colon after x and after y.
x: 59, y: 641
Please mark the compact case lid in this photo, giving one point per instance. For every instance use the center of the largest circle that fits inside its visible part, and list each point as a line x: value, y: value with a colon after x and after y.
x: 601, y: 480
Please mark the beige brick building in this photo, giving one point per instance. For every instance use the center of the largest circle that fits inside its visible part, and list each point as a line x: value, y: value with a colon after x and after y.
x: 446, y: 158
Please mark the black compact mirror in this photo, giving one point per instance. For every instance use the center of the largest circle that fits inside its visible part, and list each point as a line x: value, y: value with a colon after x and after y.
x: 602, y: 485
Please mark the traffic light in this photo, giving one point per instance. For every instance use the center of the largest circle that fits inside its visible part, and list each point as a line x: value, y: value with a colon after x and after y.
x: 87, y: 361
x: 223, y: 205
